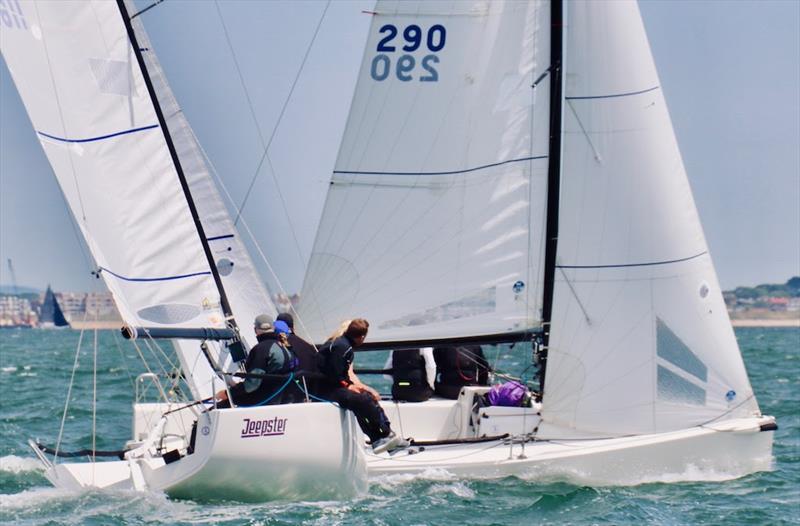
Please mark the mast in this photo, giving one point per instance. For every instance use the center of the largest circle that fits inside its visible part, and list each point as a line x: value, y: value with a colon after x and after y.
x: 553, y: 177
x: 226, y: 309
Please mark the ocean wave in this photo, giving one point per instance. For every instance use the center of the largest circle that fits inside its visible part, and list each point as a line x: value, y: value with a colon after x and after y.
x: 9, y: 369
x: 33, y: 498
x: 391, y: 481
x: 458, y: 489
x: 15, y: 464
x: 691, y: 473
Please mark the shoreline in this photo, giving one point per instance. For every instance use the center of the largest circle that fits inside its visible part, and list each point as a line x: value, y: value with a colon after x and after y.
x: 765, y: 323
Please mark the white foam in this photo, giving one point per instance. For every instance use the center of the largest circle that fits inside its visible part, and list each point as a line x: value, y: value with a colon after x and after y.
x: 691, y: 473
x: 459, y: 489
x: 9, y: 369
x: 392, y: 481
x: 33, y: 498
x: 15, y: 464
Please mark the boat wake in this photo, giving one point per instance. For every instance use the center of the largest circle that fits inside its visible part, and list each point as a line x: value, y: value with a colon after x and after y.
x: 691, y: 473
x: 35, y: 498
x: 16, y: 465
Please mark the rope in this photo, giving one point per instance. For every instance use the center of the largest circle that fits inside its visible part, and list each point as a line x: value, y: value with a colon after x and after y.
x: 124, y: 361
x: 309, y: 395
x: 280, y: 389
x: 69, y: 390
x: 94, y: 398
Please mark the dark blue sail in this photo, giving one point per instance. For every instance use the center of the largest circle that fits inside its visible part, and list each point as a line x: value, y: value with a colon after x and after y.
x: 51, y: 311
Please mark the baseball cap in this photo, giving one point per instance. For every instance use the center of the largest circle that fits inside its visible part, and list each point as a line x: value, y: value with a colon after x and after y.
x: 263, y: 322
x: 282, y: 327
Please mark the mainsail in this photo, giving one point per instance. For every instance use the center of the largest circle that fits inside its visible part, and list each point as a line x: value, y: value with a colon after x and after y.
x: 131, y: 171
x: 434, y: 221
x: 640, y: 339
x: 434, y: 225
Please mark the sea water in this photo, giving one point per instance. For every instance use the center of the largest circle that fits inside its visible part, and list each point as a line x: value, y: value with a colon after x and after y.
x: 35, y: 371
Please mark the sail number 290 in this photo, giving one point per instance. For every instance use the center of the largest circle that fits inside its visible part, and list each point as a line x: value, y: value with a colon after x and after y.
x: 405, y: 65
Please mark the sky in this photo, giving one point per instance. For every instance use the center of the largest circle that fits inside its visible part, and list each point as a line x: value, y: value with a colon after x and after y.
x: 730, y: 72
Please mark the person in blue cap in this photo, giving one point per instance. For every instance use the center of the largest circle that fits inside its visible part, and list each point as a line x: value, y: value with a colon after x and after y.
x: 308, y: 373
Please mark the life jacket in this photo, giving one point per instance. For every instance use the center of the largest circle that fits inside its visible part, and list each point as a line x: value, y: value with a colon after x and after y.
x: 410, y: 378
x: 274, y: 358
x: 457, y: 367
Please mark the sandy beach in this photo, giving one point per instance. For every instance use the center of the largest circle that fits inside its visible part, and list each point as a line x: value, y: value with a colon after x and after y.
x: 789, y: 322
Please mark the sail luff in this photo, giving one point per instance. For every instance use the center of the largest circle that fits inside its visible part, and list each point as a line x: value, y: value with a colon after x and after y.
x: 640, y: 340
x: 553, y: 177
x: 226, y: 309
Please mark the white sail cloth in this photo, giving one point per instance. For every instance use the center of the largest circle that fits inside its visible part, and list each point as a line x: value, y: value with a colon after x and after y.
x: 244, y: 289
x: 86, y: 95
x: 433, y: 223
x: 640, y: 341
x: 87, y: 99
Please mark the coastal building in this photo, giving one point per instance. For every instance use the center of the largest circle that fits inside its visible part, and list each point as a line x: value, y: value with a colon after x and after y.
x: 16, y: 311
x: 79, y: 309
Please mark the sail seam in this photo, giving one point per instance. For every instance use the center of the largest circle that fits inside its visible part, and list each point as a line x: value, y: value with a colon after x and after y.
x: 615, y: 95
x: 453, y: 172
x: 99, y: 138
x: 622, y: 265
x: 165, y: 278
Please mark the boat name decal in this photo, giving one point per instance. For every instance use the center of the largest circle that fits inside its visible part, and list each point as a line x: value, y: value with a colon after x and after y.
x: 264, y: 428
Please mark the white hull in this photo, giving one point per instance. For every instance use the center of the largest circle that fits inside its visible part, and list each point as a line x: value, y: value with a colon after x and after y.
x: 313, y: 451
x: 246, y: 454
x: 733, y: 450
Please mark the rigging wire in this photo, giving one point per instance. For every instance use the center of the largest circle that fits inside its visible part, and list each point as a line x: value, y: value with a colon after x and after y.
x: 69, y: 392
x: 124, y: 360
x: 265, y: 154
x: 94, y: 399
x: 61, y: 117
x: 253, y: 240
x: 146, y: 9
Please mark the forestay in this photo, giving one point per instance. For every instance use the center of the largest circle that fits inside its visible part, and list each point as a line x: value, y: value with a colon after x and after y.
x: 245, y: 291
x: 87, y: 97
x: 433, y: 224
x: 641, y: 341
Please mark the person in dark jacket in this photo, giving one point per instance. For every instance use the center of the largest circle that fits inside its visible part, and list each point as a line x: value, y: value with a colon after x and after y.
x: 457, y: 367
x: 270, y: 356
x: 409, y: 376
x: 339, y: 386
x: 308, y: 363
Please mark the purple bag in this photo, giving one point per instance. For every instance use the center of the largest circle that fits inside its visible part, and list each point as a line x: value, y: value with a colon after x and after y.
x: 509, y: 394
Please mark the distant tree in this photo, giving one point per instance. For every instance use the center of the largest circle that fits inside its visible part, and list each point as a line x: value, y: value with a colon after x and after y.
x: 746, y: 293
x: 793, y: 284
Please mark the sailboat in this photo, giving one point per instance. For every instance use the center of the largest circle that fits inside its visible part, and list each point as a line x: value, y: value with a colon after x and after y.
x: 508, y: 173
x: 51, y: 315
